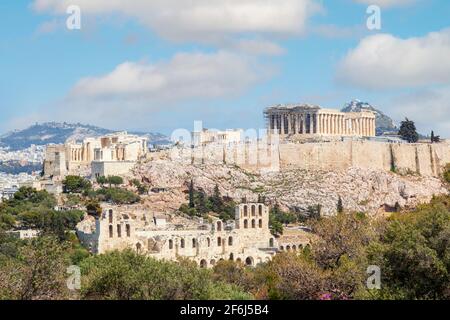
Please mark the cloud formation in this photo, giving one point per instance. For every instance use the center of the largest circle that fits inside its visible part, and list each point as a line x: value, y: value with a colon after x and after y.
x: 200, y: 20
x: 384, y: 61
x: 185, y: 76
x: 429, y: 108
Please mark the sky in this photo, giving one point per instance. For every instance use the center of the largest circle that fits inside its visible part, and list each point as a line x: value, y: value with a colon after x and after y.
x: 159, y: 65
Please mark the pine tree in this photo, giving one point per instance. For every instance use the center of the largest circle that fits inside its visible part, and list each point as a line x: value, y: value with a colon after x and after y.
x: 340, y: 207
x: 191, y: 194
x: 434, y: 138
x: 408, y: 131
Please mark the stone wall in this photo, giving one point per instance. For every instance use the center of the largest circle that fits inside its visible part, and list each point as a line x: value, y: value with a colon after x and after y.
x: 423, y: 159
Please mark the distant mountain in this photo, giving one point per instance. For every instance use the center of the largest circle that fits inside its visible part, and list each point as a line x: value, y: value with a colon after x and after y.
x: 382, y: 121
x: 55, y: 132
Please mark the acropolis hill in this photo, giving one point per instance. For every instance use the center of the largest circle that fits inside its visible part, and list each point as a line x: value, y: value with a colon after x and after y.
x: 311, y: 156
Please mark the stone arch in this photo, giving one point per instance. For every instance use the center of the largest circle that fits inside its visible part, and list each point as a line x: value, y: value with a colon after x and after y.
x: 260, y: 223
x: 253, y: 210
x: 231, y: 256
x: 170, y: 244
x: 230, y: 240
x: 138, y: 247
x: 288, y: 248
x: 271, y: 242
x: 111, y: 231
x: 281, y: 248
x: 249, y: 261
x: 212, y: 262
x: 203, y: 263
x: 245, y: 224
x: 182, y: 243
x: 253, y: 223
x: 294, y: 247
x: 219, y: 225
x: 245, y: 211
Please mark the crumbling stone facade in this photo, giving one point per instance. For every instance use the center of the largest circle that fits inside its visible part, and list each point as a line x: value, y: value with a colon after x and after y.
x: 246, y: 239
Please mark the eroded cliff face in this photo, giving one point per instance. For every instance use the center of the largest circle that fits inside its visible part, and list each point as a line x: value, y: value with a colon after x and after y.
x: 367, y: 190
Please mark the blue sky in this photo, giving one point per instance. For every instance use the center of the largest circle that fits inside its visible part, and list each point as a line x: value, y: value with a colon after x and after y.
x: 159, y: 65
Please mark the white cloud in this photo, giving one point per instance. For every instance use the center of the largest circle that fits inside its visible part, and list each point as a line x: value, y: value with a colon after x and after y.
x: 386, y: 3
x: 383, y: 61
x: 200, y: 20
x: 185, y: 76
x: 429, y: 108
x: 136, y: 93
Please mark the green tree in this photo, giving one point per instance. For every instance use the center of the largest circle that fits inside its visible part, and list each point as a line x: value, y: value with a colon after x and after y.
x: 340, y: 206
x: 37, y: 273
x: 76, y: 184
x: 408, y: 131
x: 115, y: 180
x: 127, y: 276
x: 102, y: 180
x: 435, y: 139
x: 191, y: 194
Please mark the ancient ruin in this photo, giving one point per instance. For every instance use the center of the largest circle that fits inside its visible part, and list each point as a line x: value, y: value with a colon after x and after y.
x: 304, y: 119
x: 246, y: 239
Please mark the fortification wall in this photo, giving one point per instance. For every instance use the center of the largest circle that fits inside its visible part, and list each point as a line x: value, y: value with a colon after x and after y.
x: 423, y: 159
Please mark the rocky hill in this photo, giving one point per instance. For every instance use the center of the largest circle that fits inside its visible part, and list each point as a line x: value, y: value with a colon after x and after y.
x: 383, y: 122
x: 365, y: 190
x: 54, y: 132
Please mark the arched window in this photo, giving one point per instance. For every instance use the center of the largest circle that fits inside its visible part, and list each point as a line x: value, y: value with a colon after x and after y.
x: 119, y: 231
x: 219, y: 241
x: 288, y: 248
x: 253, y: 223
x: 110, y: 216
x: 111, y: 231
x: 128, y: 230
x: 281, y: 248
x: 249, y: 261
x: 138, y: 247
x: 245, y: 211
x: 260, y: 210
x: 230, y: 241
x: 253, y: 211
x: 208, y: 241
x: 219, y: 225
x: 170, y: 244
x: 182, y: 243
x: 271, y: 242
x: 203, y: 264
x: 231, y: 257
x: 212, y: 262
x: 260, y: 223
x: 194, y: 243
x: 245, y: 224
x: 294, y: 247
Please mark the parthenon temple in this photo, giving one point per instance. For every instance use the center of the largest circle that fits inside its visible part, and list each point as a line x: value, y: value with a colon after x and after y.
x: 303, y: 119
